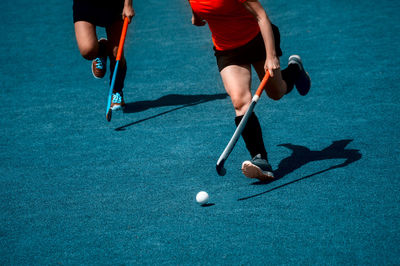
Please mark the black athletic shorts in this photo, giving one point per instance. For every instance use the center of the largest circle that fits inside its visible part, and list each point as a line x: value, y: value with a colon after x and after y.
x: 101, y: 13
x: 252, y: 52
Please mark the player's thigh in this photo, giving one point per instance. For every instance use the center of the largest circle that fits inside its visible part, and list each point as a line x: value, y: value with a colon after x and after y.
x: 86, y: 38
x: 237, y: 83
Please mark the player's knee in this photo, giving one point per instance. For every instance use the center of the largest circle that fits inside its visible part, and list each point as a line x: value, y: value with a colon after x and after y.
x: 115, y: 51
x: 275, y: 94
x: 88, y: 52
x: 276, y: 97
x: 239, y: 105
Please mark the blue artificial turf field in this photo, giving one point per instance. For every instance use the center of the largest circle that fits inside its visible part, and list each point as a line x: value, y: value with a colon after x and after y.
x: 75, y: 189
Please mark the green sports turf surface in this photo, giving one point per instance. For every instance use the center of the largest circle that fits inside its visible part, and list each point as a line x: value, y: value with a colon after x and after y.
x: 75, y: 189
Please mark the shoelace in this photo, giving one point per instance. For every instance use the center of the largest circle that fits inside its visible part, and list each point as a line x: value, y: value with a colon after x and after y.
x: 99, y: 63
x: 117, y: 98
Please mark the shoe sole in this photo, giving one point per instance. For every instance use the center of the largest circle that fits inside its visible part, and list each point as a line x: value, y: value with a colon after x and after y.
x: 117, y: 107
x: 253, y: 171
x: 96, y: 77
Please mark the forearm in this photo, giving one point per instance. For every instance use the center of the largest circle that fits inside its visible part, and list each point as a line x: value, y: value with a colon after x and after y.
x: 128, y: 3
x: 267, y: 34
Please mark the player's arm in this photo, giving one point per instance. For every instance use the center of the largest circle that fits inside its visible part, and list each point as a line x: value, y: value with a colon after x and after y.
x: 255, y: 8
x: 128, y: 10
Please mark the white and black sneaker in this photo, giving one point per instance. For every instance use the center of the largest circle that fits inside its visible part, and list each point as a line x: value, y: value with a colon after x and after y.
x: 258, y: 168
x: 303, y: 80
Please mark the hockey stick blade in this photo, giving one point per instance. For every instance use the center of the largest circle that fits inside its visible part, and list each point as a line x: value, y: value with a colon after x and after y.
x: 220, y: 168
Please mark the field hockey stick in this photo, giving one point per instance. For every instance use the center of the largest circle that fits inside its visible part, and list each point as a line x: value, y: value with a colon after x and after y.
x: 119, y: 53
x: 224, y: 156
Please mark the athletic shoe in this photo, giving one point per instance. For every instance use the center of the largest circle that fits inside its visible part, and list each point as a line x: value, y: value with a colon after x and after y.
x: 99, y: 65
x: 303, y: 81
x: 117, y: 101
x: 258, y: 168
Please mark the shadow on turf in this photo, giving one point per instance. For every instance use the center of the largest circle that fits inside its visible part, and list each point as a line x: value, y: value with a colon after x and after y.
x: 302, y: 155
x: 168, y: 100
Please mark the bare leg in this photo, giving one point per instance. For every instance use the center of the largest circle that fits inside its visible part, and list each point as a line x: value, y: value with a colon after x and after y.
x: 276, y: 86
x: 86, y: 38
x: 237, y: 82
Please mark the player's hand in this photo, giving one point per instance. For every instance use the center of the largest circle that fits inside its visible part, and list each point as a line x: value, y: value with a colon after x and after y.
x: 272, y: 65
x: 128, y: 12
x: 198, y: 21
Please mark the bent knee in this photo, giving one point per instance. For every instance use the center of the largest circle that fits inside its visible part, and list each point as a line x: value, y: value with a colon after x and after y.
x: 240, y: 105
x: 88, y: 52
x: 114, y: 52
x: 275, y: 94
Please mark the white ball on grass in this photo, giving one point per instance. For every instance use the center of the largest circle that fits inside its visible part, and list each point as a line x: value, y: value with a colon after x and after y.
x: 202, y: 197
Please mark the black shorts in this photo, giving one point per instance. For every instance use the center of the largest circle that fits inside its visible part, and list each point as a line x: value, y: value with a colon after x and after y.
x: 252, y: 52
x: 101, y: 13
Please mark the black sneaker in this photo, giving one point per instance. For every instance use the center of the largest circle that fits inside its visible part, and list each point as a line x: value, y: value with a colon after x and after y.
x: 303, y: 81
x: 258, y: 168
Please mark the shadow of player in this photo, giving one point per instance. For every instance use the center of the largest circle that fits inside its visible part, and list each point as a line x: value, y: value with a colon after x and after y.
x: 302, y: 155
x: 168, y: 100
x: 172, y: 100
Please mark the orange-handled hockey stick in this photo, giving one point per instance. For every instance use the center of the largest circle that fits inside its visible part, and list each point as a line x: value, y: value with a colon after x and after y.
x: 119, y: 53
